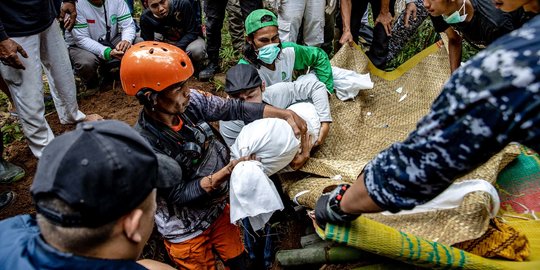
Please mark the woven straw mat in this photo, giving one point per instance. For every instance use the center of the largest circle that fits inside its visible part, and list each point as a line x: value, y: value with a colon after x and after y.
x: 376, y: 119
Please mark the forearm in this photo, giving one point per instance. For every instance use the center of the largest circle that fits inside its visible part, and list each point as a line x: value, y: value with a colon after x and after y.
x: 323, y: 133
x: 213, y: 108
x: 147, y: 34
x: 128, y: 30
x: 273, y: 112
x: 321, y: 102
x: 357, y: 200
x: 213, y: 181
x: 346, y: 15
x: 189, y: 23
x: 454, y: 49
x: 94, y: 47
x: 385, y: 6
x: 186, y: 40
x: 147, y: 27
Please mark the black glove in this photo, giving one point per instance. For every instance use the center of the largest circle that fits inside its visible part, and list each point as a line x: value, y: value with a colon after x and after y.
x: 328, y: 208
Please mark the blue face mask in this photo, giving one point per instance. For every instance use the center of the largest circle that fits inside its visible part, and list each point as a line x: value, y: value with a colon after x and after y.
x: 455, y: 17
x: 268, y: 53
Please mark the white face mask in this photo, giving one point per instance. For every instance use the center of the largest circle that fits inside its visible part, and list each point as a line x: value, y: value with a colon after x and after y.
x: 455, y: 17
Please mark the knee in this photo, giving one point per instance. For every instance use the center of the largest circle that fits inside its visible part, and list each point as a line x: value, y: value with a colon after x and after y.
x: 198, y: 52
x: 85, y: 63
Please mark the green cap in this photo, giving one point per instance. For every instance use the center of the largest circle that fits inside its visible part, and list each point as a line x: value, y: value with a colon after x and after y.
x: 254, y: 20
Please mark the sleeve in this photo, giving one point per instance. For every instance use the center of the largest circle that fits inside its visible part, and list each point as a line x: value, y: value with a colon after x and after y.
x: 214, y: 108
x: 3, y: 34
x: 284, y: 94
x: 229, y: 130
x: 147, y: 27
x: 316, y: 92
x: 125, y: 21
x: 170, y: 176
x: 439, y: 24
x: 481, y: 109
x: 189, y: 23
x: 82, y: 38
x: 314, y: 58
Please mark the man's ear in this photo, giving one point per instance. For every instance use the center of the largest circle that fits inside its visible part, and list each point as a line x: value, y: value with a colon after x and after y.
x: 131, y: 225
x: 263, y: 87
x: 249, y: 40
x: 145, y: 97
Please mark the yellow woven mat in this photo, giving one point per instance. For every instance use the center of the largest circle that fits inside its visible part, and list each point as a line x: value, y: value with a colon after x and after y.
x: 376, y: 119
x: 531, y: 228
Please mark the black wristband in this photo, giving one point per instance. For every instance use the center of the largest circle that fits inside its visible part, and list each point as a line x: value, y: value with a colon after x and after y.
x: 334, y: 203
x: 69, y: 1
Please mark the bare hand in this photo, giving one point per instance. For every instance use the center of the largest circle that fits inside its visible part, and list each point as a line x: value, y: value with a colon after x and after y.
x: 68, y: 8
x: 346, y: 37
x: 298, y: 124
x: 209, y: 183
x: 235, y: 162
x: 123, y: 45
x: 8, y: 53
x: 386, y: 20
x: 303, y: 155
x: 410, y: 11
x: 117, y: 54
x: 323, y: 133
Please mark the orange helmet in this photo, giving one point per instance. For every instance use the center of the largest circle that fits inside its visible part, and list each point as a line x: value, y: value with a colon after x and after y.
x: 154, y: 65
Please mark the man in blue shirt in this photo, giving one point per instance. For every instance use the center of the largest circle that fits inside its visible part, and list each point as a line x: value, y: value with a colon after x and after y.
x: 491, y: 101
x: 95, y: 198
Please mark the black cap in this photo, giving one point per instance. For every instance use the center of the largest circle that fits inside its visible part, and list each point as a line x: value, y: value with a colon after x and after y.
x: 241, y: 77
x: 102, y: 170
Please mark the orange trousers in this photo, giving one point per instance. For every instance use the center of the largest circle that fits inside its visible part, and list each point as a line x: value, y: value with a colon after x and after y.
x: 198, y: 253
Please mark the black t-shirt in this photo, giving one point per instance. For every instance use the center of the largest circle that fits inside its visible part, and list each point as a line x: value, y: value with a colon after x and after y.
x: 25, y: 18
x: 181, y: 26
x: 487, y: 24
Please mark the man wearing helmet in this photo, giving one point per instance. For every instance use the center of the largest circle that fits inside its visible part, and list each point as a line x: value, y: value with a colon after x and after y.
x: 193, y: 215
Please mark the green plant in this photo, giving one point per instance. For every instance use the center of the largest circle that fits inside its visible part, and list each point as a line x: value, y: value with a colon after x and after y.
x: 228, y: 55
x: 11, y: 131
x: 220, y: 86
x: 137, y: 9
x: 423, y: 38
x: 468, y: 51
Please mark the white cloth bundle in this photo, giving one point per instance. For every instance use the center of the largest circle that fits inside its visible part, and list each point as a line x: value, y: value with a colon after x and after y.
x: 454, y: 195
x: 348, y: 83
x: 308, y: 112
x: 252, y: 193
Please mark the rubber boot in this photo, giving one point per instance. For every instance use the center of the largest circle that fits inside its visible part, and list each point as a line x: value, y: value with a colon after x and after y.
x: 10, y: 172
x: 208, y: 72
x: 6, y: 198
